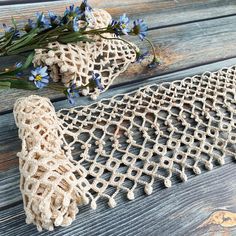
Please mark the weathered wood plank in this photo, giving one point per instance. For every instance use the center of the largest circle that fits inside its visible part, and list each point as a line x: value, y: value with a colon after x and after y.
x: 9, y: 2
x: 156, y: 13
x: 8, y: 130
x: 9, y: 188
x: 205, y: 205
x: 183, y: 209
x: 179, y: 47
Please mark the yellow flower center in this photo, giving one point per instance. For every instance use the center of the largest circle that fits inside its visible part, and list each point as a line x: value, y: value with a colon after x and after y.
x: 70, y: 18
x: 38, y: 77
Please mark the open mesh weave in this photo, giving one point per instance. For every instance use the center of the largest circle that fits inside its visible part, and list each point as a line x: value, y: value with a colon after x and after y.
x: 158, y: 132
x: 76, y: 62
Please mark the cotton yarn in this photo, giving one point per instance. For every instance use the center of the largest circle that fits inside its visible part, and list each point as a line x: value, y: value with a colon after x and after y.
x: 156, y: 133
x: 76, y: 62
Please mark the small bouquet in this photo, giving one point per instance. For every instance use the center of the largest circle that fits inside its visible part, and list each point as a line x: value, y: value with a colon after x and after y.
x: 50, y: 40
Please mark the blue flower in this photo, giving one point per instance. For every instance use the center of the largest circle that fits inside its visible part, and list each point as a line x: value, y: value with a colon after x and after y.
x: 155, y: 62
x: 54, y: 19
x: 124, y: 21
x: 42, y: 21
x: 85, y: 6
x: 141, y: 57
x: 140, y: 28
x: 88, y: 15
x: 18, y: 65
x: 72, y: 93
x: 30, y: 25
x: 114, y: 25
x: 72, y: 12
x: 40, y: 77
x: 120, y: 27
x: 96, y: 79
x: 75, y: 24
x: 11, y: 32
x: 86, y: 12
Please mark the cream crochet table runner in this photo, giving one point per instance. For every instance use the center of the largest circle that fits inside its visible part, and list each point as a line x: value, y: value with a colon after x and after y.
x: 78, y: 155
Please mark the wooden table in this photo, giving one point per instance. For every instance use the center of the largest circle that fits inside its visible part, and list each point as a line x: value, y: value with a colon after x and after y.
x: 191, y: 37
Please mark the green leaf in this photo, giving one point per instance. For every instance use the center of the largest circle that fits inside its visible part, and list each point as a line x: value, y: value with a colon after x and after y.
x: 28, y: 61
x: 18, y: 84
x: 5, y: 85
x: 12, y: 73
x: 6, y: 43
x: 25, y: 40
x: 14, y: 22
x: 22, y: 84
x: 24, y: 49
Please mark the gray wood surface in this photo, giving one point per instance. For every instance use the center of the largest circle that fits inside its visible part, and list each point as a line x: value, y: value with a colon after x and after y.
x: 180, y: 210
x: 179, y: 47
x: 13, y: 218
x: 9, y: 2
x: 191, y: 37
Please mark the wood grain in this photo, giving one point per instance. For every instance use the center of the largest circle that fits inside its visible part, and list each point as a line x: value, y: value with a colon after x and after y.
x: 179, y: 47
x: 226, y: 219
x: 191, y: 37
x: 9, y: 2
x: 157, y: 13
x: 179, y: 210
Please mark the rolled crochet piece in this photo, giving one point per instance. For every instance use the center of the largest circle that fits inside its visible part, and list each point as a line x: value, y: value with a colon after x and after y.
x: 76, y: 62
x: 50, y: 189
x: 163, y: 132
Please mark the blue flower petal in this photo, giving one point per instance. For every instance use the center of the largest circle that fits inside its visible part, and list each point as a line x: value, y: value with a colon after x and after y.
x: 45, y: 80
x: 31, y: 78
x: 34, y: 72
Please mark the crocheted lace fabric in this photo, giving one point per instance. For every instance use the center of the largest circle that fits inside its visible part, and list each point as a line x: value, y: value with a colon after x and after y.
x: 78, y: 155
x: 75, y: 62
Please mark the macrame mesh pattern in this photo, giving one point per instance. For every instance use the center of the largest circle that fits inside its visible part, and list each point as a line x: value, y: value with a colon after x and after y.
x: 50, y: 188
x: 159, y: 132
x: 76, y: 62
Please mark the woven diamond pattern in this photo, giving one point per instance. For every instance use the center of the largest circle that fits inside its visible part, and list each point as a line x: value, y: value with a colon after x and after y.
x: 159, y: 132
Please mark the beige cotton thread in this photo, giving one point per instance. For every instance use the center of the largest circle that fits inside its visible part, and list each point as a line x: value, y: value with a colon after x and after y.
x: 76, y: 62
x: 158, y: 132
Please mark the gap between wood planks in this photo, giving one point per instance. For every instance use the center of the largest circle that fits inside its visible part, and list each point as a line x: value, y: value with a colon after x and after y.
x: 192, y: 21
x: 200, y: 68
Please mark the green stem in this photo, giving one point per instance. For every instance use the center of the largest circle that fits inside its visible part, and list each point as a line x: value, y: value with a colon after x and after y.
x: 101, y: 30
x: 56, y: 87
x: 152, y: 46
x: 54, y: 32
x: 6, y: 43
x: 21, y: 42
x: 4, y: 77
x: 22, y: 49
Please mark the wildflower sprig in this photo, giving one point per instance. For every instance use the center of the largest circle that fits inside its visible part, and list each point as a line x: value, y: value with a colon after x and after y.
x: 71, y: 27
